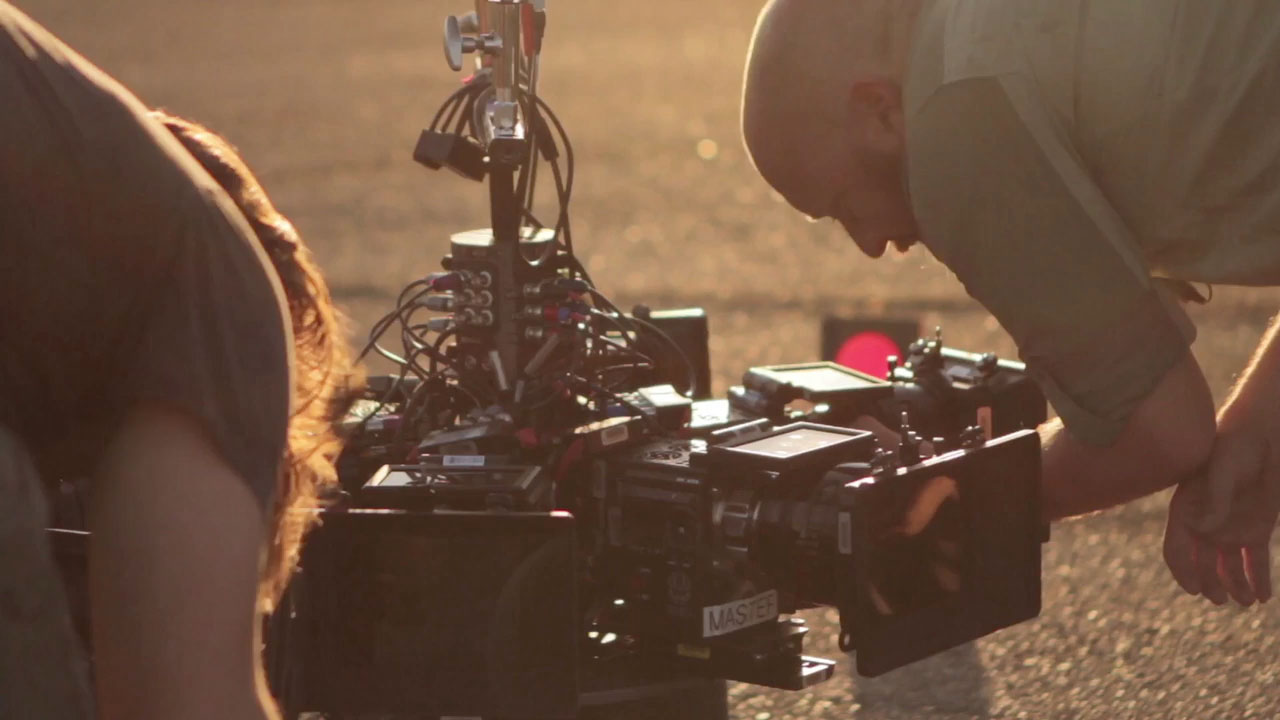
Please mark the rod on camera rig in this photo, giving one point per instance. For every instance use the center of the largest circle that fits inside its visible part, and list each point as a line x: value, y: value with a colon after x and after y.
x: 505, y: 31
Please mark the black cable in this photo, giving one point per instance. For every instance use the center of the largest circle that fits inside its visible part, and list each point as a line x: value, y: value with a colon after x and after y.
x: 523, y: 192
x: 382, y: 403
x: 649, y: 419
x: 452, y: 101
x: 567, y: 193
x: 439, y: 344
x: 564, y: 139
x: 692, y: 373
x: 424, y: 348
x: 620, y: 319
x: 384, y: 323
x: 457, y: 105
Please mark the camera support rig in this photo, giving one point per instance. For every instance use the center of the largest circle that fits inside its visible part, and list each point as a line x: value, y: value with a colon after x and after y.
x: 501, y: 41
x: 529, y: 525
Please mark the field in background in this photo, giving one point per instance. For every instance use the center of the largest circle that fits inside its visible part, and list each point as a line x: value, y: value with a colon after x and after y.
x: 326, y: 98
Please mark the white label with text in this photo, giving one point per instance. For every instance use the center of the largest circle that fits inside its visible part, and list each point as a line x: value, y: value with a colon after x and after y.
x: 731, y: 616
x: 464, y: 461
x: 615, y: 434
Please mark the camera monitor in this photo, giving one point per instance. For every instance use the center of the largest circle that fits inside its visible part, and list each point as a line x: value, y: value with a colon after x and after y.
x: 944, y: 552
x: 819, y: 382
x: 791, y: 447
x: 432, y: 614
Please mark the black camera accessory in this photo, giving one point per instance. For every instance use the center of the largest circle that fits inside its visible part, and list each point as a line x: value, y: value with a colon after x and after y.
x: 669, y: 408
x: 943, y: 552
x: 710, y: 416
x: 458, y: 487
x: 431, y: 614
x: 611, y: 433
x: 460, y: 154
x: 755, y: 403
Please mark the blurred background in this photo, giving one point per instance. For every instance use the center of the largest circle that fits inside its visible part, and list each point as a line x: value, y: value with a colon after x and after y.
x: 325, y: 98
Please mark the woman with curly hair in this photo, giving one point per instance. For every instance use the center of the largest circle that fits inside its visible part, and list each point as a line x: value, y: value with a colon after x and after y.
x: 165, y: 335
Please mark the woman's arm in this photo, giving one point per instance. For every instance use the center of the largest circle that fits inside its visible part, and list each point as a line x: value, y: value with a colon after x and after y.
x: 174, y: 568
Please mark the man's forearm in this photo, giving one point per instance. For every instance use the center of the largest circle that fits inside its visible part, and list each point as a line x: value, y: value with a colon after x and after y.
x: 1253, y: 399
x: 1168, y: 436
x: 1078, y: 479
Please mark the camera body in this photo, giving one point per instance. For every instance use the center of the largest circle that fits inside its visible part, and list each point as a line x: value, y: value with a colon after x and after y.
x: 685, y: 536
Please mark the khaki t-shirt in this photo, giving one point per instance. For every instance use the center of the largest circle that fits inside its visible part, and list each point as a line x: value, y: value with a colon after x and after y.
x: 1066, y: 157
x: 127, y: 275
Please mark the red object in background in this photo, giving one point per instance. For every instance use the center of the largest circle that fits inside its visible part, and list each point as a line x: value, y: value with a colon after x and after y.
x: 868, y: 351
x: 865, y: 344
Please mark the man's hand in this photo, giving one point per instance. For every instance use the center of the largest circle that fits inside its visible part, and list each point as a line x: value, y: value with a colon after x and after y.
x: 1220, y: 522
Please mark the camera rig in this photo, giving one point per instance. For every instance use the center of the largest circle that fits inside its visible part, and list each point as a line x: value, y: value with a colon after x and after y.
x: 543, y: 509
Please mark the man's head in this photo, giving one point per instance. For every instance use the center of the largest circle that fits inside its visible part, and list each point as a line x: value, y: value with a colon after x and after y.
x: 822, y: 112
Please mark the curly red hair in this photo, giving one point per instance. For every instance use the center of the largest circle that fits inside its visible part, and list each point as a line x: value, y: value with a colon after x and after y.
x: 325, y: 379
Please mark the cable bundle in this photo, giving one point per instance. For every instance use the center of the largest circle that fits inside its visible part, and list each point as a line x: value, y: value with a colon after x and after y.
x: 587, y: 353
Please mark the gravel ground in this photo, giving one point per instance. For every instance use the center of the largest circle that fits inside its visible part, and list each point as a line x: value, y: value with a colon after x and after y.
x: 326, y: 98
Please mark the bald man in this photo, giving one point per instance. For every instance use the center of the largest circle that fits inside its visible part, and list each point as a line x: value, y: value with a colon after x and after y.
x: 1077, y: 165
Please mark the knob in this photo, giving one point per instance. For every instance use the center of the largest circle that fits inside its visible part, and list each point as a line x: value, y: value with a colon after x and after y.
x: 972, y: 437
x: 988, y: 363
x: 908, y: 441
x: 455, y: 44
x: 469, y: 23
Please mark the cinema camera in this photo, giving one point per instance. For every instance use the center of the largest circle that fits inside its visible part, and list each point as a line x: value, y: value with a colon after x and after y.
x: 543, y: 511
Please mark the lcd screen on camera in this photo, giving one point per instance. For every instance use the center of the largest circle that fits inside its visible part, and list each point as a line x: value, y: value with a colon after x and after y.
x: 451, y: 477
x: 785, y: 445
x: 824, y: 378
x: 438, y: 614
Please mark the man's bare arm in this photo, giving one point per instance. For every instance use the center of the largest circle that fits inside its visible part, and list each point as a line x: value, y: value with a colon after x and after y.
x: 1253, y: 399
x: 1168, y: 436
x: 173, y: 569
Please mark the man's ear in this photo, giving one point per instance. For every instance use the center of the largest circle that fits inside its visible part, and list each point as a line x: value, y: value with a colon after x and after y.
x: 876, y: 105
